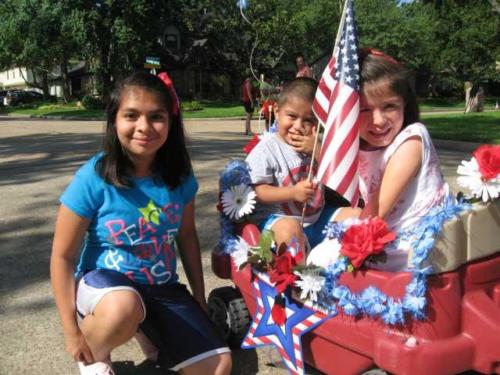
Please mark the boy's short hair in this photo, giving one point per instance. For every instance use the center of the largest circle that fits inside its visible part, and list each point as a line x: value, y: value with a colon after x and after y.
x: 302, y: 88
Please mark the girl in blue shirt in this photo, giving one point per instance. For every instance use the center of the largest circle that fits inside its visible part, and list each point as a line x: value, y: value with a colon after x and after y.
x: 132, y: 205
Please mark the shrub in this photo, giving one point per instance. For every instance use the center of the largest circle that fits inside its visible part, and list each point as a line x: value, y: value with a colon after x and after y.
x: 191, y: 106
x: 92, y: 102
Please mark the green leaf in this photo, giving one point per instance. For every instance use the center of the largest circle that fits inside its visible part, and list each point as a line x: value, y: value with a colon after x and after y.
x: 265, y: 243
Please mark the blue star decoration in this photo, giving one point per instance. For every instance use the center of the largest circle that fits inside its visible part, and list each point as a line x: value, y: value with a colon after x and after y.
x: 263, y: 331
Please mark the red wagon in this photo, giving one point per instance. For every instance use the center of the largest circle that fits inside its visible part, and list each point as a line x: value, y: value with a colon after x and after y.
x: 461, y: 331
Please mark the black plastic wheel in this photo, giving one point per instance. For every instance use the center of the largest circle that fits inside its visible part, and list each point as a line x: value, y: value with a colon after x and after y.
x: 230, y: 315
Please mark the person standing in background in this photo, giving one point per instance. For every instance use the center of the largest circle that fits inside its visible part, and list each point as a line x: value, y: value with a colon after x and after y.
x: 248, y: 98
x: 303, y: 70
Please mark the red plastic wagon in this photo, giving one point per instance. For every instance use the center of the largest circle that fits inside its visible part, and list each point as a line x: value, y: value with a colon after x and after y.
x: 462, y: 328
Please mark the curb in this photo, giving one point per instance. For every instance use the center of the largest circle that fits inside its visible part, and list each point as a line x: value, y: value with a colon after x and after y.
x: 79, y: 118
x: 455, y: 145
x: 69, y: 118
x: 234, y: 118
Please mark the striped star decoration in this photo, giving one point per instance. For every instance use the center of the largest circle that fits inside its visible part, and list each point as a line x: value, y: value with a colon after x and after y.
x: 300, y: 319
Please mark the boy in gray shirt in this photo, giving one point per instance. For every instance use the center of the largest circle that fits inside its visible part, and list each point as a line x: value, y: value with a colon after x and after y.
x: 279, y: 166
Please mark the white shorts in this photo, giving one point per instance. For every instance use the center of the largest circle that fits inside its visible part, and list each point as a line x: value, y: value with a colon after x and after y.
x: 88, y: 296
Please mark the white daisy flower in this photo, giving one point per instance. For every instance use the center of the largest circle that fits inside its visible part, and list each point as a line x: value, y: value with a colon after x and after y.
x: 238, y: 201
x: 310, y: 284
x: 240, y: 255
x: 470, y: 178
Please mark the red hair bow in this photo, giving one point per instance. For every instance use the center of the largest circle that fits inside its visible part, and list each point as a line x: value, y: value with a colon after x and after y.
x: 171, y: 89
x: 376, y: 52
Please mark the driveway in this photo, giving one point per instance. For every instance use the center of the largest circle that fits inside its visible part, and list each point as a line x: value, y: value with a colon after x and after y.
x: 37, y: 161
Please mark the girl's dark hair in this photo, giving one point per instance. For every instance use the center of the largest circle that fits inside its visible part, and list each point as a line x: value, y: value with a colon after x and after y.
x: 377, y: 67
x: 172, y: 162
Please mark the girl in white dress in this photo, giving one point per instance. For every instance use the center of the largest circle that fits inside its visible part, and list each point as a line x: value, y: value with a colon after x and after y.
x: 400, y: 176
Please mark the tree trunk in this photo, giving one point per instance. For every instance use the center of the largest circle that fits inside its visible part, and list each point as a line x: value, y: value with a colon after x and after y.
x: 45, y: 84
x: 66, y: 83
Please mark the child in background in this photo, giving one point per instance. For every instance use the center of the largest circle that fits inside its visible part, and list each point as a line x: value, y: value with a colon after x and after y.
x: 131, y: 205
x: 279, y: 166
x: 248, y: 98
x: 267, y: 99
x: 400, y: 176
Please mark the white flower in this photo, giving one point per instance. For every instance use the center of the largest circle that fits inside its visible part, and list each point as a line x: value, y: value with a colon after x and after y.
x: 325, y: 253
x: 240, y: 255
x: 238, y: 201
x: 310, y: 284
x: 470, y: 178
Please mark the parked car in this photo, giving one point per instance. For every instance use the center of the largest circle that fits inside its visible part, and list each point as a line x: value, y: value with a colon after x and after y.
x: 17, y: 97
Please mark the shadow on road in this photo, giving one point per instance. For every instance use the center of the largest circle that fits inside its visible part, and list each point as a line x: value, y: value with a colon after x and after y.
x: 31, y: 158
x: 244, y: 363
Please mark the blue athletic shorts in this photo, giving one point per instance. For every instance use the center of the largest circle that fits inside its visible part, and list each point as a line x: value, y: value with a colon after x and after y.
x: 174, y: 321
x: 313, y: 232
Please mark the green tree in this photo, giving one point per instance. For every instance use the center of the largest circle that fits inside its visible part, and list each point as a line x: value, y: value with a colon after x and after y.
x: 32, y: 37
x: 117, y: 36
x: 469, y: 36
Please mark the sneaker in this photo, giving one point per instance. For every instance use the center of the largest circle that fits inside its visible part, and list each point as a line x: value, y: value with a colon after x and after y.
x: 148, y: 348
x: 97, y: 368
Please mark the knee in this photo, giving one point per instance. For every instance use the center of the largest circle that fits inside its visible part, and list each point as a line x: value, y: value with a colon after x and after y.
x: 347, y: 213
x: 287, y: 228
x: 120, y: 308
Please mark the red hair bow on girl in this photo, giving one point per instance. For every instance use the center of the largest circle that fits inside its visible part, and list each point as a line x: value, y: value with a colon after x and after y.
x: 171, y: 89
x: 376, y: 52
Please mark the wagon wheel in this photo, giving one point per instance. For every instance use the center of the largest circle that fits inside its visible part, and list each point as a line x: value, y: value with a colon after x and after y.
x: 228, y: 312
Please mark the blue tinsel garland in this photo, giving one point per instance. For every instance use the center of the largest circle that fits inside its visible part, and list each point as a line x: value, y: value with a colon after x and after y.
x: 371, y: 301
x: 235, y: 173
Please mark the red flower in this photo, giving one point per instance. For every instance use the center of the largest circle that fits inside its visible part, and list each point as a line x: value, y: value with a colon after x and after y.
x: 251, y: 144
x: 362, y: 240
x: 282, y: 271
x: 488, y: 158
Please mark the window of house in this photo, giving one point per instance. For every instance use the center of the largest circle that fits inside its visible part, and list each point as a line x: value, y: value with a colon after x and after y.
x: 171, y: 41
x: 171, y: 38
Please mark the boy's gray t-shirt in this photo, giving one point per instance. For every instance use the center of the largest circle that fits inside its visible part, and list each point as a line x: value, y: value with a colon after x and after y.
x: 275, y: 162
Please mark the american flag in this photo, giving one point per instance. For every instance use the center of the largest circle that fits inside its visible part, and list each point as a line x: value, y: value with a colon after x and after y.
x: 337, y: 107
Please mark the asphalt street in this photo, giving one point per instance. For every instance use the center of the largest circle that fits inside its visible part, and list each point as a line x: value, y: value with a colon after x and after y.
x: 37, y: 161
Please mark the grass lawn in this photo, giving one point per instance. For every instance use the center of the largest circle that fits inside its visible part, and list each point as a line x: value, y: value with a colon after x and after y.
x: 471, y: 127
x: 450, y: 104
x: 64, y: 110
x: 209, y: 109
x: 216, y: 109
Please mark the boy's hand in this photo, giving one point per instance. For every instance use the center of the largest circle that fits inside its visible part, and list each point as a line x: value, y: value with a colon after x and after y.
x: 303, y: 191
x: 304, y: 143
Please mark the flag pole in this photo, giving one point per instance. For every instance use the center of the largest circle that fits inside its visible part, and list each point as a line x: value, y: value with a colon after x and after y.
x: 335, y: 49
